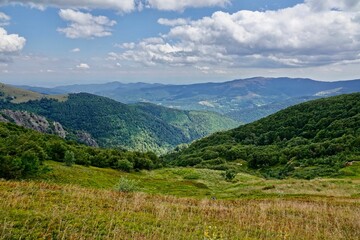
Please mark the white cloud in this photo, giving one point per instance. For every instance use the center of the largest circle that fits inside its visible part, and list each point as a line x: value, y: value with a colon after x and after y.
x: 118, y: 5
x: 300, y: 36
x: 83, y: 66
x: 340, y: 5
x: 85, y: 25
x: 10, y: 43
x: 173, y: 22
x: 180, y: 5
x: 4, y: 19
x: 75, y: 50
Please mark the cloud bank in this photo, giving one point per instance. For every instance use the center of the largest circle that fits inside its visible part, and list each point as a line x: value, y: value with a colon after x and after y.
x: 310, y: 34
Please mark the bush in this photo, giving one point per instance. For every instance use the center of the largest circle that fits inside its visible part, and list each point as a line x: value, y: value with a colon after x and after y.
x: 69, y: 158
x: 124, y: 165
x: 229, y: 175
x: 127, y: 185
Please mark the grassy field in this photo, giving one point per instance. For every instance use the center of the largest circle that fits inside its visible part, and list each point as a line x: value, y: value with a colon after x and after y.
x: 19, y: 95
x: 82, y: 203
x: 204, y: 183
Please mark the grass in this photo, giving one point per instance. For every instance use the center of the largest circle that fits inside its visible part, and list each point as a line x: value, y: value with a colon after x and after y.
x: 82, y: 203
x: 204, y: 183
x: 33, y: 210
x: 21, y: 95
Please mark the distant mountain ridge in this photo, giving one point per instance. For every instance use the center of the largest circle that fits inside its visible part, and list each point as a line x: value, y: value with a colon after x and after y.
x: 245, y: 100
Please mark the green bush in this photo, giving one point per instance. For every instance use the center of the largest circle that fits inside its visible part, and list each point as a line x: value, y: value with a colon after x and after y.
x: 124, y: 165
x: 69, y: 158
x: 127, y: 185
x: 229, y: 175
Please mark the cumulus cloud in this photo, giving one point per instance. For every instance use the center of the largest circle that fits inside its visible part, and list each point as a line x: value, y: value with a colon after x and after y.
x: 180, y: 5
x: 118, y: 5
x: 85, y: 25
x: 83, y: 66
x: 10, y: 43
x: 304, y: 35
x: 173, y: 22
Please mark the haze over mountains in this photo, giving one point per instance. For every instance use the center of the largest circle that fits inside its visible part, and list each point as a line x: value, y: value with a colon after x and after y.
x: 244, y: 100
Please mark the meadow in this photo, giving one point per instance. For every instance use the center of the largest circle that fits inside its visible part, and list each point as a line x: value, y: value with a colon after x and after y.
x: 178, y: 203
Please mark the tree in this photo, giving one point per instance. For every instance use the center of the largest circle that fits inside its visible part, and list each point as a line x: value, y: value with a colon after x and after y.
x: 69, y: 158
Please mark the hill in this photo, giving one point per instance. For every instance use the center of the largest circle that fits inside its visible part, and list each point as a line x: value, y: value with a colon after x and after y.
x: 245, y: 100
x: 23, y: 152
x: 83, y: 203
x: 311, y: 139
x: 113, y: 124
x: 18, y: 95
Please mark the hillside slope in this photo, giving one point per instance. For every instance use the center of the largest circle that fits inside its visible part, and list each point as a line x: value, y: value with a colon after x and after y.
x: 113, y: 124
x: 316, y: 138
x: 18, y: 95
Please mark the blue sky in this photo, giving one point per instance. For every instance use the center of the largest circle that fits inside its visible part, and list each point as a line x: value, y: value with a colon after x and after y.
x: 58, y: 42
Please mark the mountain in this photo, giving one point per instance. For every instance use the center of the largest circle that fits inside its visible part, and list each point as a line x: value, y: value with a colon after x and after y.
x: 315, y: 138
x: 114, y: 124
x: 244, y: 100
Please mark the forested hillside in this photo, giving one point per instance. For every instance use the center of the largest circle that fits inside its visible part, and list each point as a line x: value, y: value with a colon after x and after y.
x: 23, y: 151
x: 113, y: 124
x: 317, y: 138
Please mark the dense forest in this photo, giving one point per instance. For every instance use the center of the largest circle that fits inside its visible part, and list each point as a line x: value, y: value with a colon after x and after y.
x: 316, y: 138
x: 23, y: 151
x: 137, y: 127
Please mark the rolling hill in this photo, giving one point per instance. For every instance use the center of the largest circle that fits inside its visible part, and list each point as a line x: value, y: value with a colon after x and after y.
x: 244, y: 100
x: 316, y: 138
x: 113, y: 124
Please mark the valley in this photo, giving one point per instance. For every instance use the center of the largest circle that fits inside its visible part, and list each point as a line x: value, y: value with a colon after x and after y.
x: 270, y: 179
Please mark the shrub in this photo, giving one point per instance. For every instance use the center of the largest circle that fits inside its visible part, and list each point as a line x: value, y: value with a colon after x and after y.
x: 229, y: 175
x: 127, y: 185
x: 124, y: 165
x: 69, y: 158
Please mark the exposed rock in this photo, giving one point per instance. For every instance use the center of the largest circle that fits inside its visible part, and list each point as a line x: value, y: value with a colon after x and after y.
x: 2, y: 119
x: 32, y: 121
x: 59, y: 130
x: 86, y: 138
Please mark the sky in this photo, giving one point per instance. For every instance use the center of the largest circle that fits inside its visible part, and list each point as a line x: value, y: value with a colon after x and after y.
x: 61, y: 42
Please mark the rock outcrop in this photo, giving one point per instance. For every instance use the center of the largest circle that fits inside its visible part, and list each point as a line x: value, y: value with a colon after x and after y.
x: 32, y: 121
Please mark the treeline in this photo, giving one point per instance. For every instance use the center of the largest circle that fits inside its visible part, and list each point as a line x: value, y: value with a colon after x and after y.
x: 312, y: 139
x: 23, y: 151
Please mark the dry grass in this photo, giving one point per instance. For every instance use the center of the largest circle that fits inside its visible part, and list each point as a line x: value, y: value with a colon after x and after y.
x: 33, y: 210
x: 20, y: 95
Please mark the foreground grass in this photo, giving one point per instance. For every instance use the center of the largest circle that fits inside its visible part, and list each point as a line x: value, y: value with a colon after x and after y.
x: 203, y: 183
x: 35, y: 210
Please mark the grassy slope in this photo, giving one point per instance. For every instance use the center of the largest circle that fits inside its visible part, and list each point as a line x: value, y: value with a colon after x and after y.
x: 21, y: 96
x: 204, y: 183
x: 81, y: 203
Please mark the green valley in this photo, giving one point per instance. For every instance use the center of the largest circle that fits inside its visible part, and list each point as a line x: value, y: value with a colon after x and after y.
x: 142, y: 127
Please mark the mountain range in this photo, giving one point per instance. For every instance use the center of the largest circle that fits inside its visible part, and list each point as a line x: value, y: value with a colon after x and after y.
x: 244, y: 100
x: 88, y: 117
